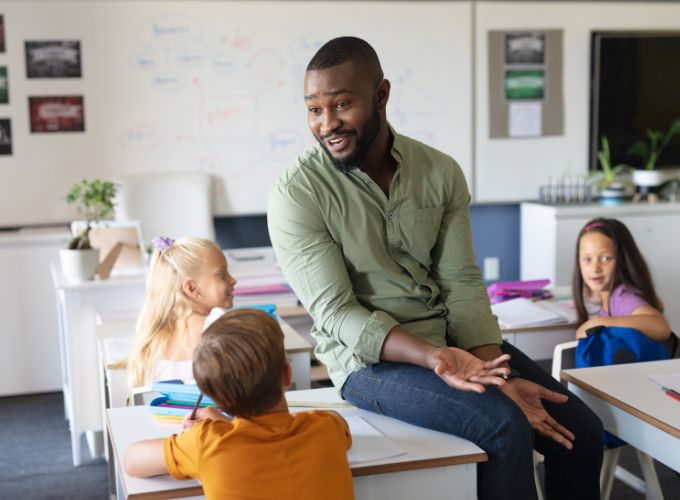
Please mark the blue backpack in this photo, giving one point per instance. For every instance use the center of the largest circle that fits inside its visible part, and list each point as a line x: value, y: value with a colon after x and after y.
x: 613, y: 345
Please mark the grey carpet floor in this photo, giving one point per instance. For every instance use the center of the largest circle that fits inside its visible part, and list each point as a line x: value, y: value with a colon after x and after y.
x: 35, y: 453
x: 35, y: 457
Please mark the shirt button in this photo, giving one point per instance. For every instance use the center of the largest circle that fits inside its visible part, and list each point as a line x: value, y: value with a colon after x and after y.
x: 390, y: 215
x: 394, y: 252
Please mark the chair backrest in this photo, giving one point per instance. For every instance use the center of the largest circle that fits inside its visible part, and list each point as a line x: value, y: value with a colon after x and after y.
x: 116, y: 343
x: 672, y: 345
x: 141, y: 395
x: 174, y: 204
x: 563, y: 357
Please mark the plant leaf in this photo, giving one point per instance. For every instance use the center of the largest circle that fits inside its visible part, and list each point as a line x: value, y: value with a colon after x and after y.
x: 640, y: 149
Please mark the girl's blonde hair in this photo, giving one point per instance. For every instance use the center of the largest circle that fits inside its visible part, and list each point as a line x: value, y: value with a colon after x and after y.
x: 166, y: 308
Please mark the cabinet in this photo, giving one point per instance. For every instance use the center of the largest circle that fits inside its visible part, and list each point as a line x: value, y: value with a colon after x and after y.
x: 29, y: 335
x: 548, y: 243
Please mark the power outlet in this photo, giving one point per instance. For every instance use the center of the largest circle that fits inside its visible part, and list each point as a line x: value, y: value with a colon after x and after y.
x: 492, y: 268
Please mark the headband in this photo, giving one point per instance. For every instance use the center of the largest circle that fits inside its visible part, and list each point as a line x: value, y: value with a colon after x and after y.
x: 162, y: 243
x: 593, y: 225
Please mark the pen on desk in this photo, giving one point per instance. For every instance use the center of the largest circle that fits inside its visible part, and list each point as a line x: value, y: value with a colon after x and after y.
x: 671, y: 393
x: 198, y: 402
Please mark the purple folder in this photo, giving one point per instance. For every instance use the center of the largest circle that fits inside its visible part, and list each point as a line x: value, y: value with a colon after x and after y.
x: 501, y: 291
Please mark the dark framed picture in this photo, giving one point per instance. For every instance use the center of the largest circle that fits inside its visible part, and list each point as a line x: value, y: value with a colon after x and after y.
x: 5, y: 136
x: 4, y: 85
x: 53, y: 59
x: 525, y: 48
x: 2, y: 33
x: 57, y: 114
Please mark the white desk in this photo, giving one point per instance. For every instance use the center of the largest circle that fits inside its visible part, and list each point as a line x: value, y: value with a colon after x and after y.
x: 435, y: 466
x: 633, y: 407
x: 538, y: 342
x: 78, y: 306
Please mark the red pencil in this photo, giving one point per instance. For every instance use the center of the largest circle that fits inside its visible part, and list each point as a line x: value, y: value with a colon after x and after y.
x: 671, y: 393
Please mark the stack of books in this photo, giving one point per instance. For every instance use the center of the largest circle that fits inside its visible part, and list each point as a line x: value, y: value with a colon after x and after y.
x: 259, y: 278
x: 523, y: 312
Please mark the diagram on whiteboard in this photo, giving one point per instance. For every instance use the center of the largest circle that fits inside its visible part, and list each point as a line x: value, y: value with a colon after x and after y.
x: 226, y: 98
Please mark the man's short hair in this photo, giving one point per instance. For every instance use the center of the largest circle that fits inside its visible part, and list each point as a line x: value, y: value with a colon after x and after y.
x: 239, y: 362
x: 343, y: 49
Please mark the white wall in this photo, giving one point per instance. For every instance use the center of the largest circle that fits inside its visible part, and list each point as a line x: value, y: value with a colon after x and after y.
x: 406, y: 35
x: 216, y: 87
x: 512, y: 169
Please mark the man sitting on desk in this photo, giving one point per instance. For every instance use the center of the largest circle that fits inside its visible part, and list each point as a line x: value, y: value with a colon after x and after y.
x: 372, y: 231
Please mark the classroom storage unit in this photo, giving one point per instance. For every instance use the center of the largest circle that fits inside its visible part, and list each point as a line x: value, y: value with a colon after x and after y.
x: 548, y: 243
x: 29, y: 334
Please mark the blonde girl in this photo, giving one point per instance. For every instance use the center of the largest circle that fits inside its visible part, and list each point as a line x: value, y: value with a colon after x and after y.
x: 187, y: 279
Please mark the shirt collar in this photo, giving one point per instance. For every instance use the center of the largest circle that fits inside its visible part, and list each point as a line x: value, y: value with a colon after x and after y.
x: 397, y: 144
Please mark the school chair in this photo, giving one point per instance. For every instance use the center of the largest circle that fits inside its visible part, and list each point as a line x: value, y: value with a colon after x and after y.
x: 564, y: 358
x: 174, y: 204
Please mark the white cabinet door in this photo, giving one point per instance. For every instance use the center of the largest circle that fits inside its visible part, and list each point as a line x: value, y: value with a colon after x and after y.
x: 29, y: 334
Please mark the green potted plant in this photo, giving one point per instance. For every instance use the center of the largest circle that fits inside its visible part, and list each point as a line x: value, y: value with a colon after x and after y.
x: 612, y: 182
x: 648, y: 178
x: 94, y: 202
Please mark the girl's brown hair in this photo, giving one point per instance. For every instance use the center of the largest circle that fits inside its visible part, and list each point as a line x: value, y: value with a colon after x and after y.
x: 631, y: 268
x: 239, y: 362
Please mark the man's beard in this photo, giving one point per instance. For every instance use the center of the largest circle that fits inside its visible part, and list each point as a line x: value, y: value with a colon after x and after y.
x: 371, y: 130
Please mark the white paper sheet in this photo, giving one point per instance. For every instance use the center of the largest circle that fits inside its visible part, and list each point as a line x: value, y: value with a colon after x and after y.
x: 525, y: 119
x: 521, y: 312
x: 368, y: 443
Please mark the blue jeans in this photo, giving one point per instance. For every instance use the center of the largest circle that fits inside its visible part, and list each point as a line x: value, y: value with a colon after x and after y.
x: 495, y: 423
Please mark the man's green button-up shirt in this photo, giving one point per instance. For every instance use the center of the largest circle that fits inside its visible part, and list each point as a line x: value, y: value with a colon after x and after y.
x: 362, y: 262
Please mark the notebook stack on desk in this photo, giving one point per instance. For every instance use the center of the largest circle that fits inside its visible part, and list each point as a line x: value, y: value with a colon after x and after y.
x: 259, y: 278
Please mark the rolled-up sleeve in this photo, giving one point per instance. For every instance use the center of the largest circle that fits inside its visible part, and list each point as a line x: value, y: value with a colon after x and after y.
x: 455, y: 269
x: 314, y: 266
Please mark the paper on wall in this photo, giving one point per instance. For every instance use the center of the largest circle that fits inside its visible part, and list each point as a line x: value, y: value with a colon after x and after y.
x: 524, y: 119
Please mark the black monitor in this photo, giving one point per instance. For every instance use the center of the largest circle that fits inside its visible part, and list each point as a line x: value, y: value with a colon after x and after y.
x: 635, y: 85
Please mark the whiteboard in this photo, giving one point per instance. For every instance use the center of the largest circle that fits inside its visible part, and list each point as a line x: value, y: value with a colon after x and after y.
x: 216, y: 87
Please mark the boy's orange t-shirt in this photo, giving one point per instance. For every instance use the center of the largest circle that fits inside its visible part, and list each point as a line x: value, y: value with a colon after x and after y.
x: 277, y: 455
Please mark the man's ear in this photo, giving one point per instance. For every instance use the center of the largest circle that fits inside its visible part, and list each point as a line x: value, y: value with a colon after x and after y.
x: 286, y: 376
x: 190, y: 289
x: 382, y: 93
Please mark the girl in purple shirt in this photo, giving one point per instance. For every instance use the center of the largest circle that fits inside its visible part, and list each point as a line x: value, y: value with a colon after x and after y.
x: 611, y: 271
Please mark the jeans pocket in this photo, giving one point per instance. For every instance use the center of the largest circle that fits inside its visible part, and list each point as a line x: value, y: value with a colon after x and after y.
x: 361, y: 400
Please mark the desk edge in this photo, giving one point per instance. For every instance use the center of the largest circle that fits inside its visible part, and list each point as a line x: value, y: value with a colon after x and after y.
x: 371, y: 470
x: 621, y: 405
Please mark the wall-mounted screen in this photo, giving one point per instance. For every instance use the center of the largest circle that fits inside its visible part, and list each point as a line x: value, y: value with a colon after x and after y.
x: 635, y: 80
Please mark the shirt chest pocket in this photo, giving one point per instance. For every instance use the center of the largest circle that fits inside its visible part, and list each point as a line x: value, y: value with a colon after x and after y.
x: 421, y: 230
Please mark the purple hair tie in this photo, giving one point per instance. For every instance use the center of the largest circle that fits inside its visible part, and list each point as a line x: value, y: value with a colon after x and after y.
x: 162, y: 243
x: 594, y: 225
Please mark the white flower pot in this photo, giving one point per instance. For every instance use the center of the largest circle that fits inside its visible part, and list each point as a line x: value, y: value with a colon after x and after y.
x: 648, y: 178
x: 79, y: 265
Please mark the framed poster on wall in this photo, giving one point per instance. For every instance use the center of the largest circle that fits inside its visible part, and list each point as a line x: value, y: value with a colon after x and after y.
x: 53, y: 59
x: 57, y: 114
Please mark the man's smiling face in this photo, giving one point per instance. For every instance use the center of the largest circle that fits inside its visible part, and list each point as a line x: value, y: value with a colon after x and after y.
x: 342, y: 113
